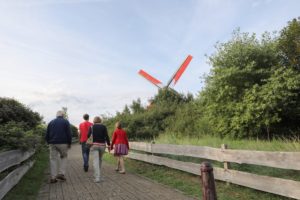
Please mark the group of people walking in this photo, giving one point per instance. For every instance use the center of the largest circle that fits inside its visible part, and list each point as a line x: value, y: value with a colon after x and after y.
x: 93, y: 138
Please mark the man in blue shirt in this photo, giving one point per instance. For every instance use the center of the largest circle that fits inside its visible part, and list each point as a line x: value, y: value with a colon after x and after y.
x: 59, y: 138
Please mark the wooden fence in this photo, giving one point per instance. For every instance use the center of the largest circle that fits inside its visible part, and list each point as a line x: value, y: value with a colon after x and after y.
x: 279, y: 186
x: 9, y: 159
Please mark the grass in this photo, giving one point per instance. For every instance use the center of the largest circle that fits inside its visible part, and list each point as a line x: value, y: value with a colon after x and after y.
x: 190, y: 184
x: 258, y: 145
x: 274, y: 145
x: 28, y: 187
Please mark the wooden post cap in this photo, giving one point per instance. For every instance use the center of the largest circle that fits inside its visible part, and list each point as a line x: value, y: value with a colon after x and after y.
x: 206, y: 167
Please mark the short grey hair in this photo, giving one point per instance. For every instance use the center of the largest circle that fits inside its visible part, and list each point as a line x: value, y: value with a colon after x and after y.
x: 60, y: 113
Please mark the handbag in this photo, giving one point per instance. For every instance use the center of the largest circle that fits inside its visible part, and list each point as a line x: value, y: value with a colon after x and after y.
x: 89, y: 142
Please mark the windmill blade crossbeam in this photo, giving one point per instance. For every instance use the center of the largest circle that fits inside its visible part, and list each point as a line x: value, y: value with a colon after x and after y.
x: 176, y: 76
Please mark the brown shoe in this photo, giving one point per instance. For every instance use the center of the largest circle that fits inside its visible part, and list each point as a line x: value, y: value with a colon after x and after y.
x: 53, y: 180
x: 61, y: 177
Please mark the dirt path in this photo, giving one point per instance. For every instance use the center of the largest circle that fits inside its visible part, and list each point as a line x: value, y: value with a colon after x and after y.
x: 80, y: 185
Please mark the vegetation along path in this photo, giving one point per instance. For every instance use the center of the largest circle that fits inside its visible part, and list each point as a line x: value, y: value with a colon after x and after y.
x: 80, y: 185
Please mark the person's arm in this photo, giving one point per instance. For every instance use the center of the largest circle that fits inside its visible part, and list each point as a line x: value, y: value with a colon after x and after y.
x: 79, y: 127
x: 126, y: 139
x: 47, y: 136
x: 90, y: 131
x: 113, y: 140
x: 69, y: 133
x: 107, y: 137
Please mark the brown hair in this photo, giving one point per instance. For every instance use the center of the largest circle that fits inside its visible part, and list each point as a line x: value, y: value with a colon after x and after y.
x: 86, y: 117
x: 97, y: 119
x: 118, y: 125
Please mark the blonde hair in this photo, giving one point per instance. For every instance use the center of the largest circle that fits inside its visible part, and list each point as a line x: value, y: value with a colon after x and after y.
x: 97, y: 119
x: 118, y: 125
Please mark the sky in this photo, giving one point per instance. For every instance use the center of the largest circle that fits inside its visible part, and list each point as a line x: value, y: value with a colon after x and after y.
x: 85, y: 54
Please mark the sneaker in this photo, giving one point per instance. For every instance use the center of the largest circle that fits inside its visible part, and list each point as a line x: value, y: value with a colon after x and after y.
x: 117, y: 169
x: 122, y: 172
x: 96, y: 180
x: 61, y: 177
x: 53, y: 180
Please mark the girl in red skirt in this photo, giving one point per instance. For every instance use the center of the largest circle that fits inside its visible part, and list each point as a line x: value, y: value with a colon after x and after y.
x: 120, y: 146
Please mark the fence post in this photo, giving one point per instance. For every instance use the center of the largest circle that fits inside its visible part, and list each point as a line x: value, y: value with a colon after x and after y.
x: 152, y: 143
x: 226, y: 164
x: 208, y: 182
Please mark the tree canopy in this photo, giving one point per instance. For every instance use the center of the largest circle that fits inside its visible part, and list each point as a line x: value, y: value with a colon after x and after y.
x: 20, y: 127
x: 12, y: 110
x: 253, y: 89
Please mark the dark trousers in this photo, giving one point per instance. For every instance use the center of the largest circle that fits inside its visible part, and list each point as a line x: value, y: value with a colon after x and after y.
x: 85, y: 154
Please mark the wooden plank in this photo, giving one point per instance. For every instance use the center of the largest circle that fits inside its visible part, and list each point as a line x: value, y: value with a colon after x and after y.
x: 141, y: 146
x: 283, y: 187
x: 181, y: 150
x: 14, y: 157
x: 13, y: 178
x: 188, y: 150
x: 279, y: 186
x: 284, y: 160
x: 175, y: 164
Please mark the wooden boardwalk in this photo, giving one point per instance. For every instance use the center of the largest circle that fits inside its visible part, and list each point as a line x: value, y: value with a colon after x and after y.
x: 80, y: 185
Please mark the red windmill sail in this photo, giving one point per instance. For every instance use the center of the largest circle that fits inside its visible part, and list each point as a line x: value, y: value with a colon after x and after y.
x: 182, y: 68
x: 150, y: 78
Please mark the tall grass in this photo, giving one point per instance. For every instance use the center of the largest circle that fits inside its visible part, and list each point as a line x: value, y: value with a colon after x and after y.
x: 251, y: 144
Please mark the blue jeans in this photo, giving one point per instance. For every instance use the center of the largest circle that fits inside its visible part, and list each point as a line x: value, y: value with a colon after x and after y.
x: 85, y: 154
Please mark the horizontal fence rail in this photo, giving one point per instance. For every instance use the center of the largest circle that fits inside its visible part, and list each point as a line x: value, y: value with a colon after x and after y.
x: 284, y: 160
x: 14, y: 157
x: 9, y: 159
x: 279, y: 186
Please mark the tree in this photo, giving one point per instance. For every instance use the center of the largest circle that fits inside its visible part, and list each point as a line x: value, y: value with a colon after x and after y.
x: 65, y: 110
x: 20, y: 127
x: 289, y: 44
x: 250, y: 92
x: 238, y: 65
x: 168, y: 96
x: 126, y: 110
x: 136, y: 106
x: 12, y: 110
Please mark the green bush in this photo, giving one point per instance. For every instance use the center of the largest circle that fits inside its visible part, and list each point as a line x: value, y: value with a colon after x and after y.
x: 12, y: 110
x: 74, y: 131
x: 13, y: 135
x: 20, y: 127
x: 141, y: 123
